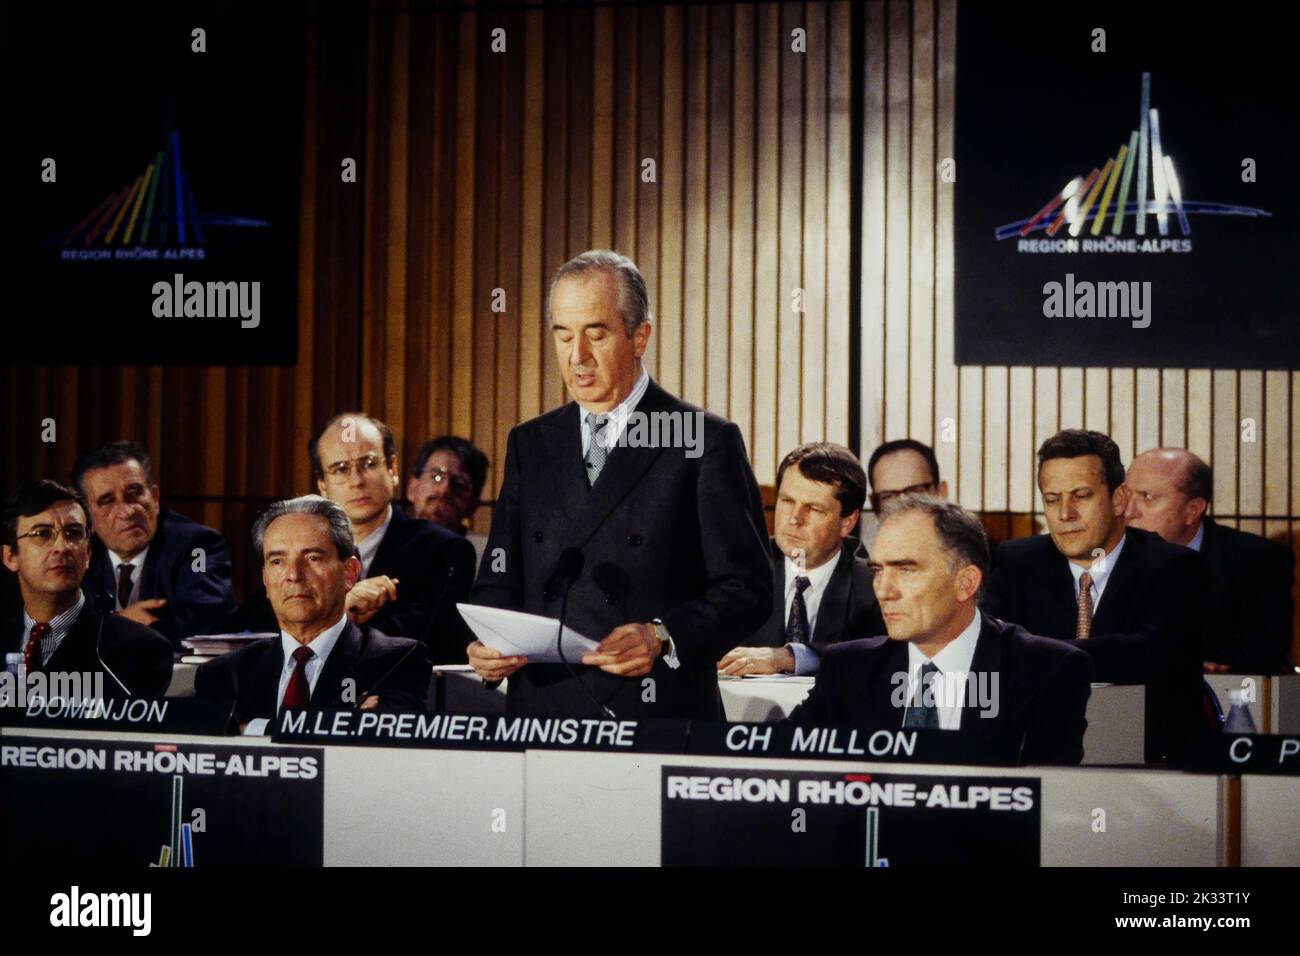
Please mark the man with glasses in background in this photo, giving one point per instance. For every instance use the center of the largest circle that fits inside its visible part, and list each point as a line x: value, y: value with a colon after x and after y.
x: 445, y: 486
x: 46, y: 543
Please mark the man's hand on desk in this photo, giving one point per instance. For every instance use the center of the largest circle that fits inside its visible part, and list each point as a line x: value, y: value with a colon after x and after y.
x: 368, y: 596
x: 628, y: 651
x: 490, y: 664
x: 757, y: 660
x: 142, y: 611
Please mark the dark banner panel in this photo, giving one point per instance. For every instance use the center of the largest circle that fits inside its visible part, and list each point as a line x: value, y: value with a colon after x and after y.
x: 151, y: 154
x: 1123, y: 189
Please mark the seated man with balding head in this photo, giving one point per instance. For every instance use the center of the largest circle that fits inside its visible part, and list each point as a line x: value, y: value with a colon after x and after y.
x: 1250, y: 614
x: 320, y: 657
x: 1003, y: 694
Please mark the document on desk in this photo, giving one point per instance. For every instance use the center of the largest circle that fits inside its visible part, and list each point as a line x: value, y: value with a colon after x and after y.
x: 515, y: 633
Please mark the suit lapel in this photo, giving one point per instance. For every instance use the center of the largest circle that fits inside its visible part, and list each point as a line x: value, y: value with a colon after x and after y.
x: 266, y: 679
x: 774, y: 630
x: 1119, y: 585
x: 894, y: 660
x: 341, y: 663
x: 393, y: 540
x: 1057, y: 584
x: 148, y: 584
x: 833, y: 613
x: 986, y: 660
x: 564, y: 445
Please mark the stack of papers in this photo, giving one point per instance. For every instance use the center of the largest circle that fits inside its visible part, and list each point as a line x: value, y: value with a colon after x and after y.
x: 214, y: 645
x: 516, y: 634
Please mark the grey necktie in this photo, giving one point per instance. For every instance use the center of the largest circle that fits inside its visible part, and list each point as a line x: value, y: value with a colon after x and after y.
x: 922, y: 710
x: 596, y: 450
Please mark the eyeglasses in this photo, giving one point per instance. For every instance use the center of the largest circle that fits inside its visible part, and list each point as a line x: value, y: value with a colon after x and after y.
x: 74, y: 534
x: 883, y: 498
x: 445, y: 475
x: 365, y: 467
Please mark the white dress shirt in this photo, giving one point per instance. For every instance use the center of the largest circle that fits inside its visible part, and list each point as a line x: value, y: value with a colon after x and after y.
x: 59, y: 627
x: 618, y: 415
x: 806, y: 659
x: 321, y: 646
x: 137, y: 564
x: 1100, y: 570
x: 1197, y: 539
x: 950, y: 684
x: 371, y: 542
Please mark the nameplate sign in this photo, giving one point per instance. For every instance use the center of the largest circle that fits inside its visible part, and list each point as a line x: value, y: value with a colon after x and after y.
x: 371, y: 728
x: 1246, y: 753
x: 173, y: 715
x: 759, y: 817
x: 840, y: 743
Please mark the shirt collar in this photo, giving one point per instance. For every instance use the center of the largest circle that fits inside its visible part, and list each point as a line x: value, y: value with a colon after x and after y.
x: 624, y: 408
x: 955, y: 657
x: 136, y: 562
x: 1199, y: 538
x: 62, y: 623
x: 1099, y: 569
x: 321, y: 644
x: 377, y: 535
x: 818, y: 577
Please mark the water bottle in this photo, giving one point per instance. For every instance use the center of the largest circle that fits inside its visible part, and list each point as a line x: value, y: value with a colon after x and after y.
x: 1238, y: 720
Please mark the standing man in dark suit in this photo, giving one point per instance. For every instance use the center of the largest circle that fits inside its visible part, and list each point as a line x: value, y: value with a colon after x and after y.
x: 822, y: 590
x: 161, y: 569
x: 1003, y: 693
x: 47, y: 545
x: 658, y: 498
x: 1249, y: 628
x: 320, y: 658
x: 1133, y: 602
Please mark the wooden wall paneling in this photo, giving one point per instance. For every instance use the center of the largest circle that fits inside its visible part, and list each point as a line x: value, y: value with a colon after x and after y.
x: 649, y: 107
x: 374, y: 174
x: 897, y: 226
x: 767, y: 60
x: 740, y: 266
x: 603, y: 82
x: 718, y: 157
x: 1070, y: 399
x: 1250, y: 464
x: 873, y: 187
x: 1020, y: 450
x: 489, y: 222
x: 923, y: 173
x: 386, y: 395
x: 812, y: 394
x: 1226, y: 441
x: 997, y: 437
x: 1200, y: 412
x: 467, y: 199
x: 791, y: 364
x: 1147, y: 408
x: 672, y: 188
x: 695, y: 316
x: 839, y: 196
x: 510, y: 324
x: 1123, y: 388
x: 1173, y: 408
x: 581, y: 103
x: 624, y: 77
x: 1276, y: 429
x: 1096, y: 399
x: 945, y: 371
x: 536, y: 355
x: 421, y: 237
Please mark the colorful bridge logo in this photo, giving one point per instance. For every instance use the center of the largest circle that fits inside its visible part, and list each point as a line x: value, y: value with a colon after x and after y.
x: 180, y: 852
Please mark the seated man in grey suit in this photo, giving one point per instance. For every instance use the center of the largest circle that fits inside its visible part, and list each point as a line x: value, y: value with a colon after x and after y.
x: 821, y: 578
x: 320, y: 658
x: 1003, y: 693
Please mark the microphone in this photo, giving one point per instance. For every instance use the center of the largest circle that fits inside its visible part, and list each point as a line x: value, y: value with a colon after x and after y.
x: 361, y: 698
x: 446, y: 586
x: 104, y: 606
x: 567, y: 571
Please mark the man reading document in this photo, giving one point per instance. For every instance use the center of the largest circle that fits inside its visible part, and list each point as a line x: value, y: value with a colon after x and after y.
x: 643, y: 507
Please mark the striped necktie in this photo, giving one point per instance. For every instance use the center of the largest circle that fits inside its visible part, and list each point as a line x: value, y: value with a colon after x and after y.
x: 1083, y: 621
x: 596, y: 450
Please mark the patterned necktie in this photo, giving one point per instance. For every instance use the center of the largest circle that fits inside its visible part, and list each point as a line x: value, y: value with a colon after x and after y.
x: 796, y: 628
x: 923, y: 711
x: 124, y: 584
x: 596, y: 450
x: 33, y: 653
x: 1083, y: 622
x: 298, y: 693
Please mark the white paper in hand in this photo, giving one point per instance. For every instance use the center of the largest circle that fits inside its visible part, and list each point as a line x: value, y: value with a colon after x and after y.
x: 515, y: 633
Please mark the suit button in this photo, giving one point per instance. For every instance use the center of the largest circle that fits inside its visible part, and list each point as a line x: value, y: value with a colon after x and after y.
x: 609, y: 598
x: 634, y: 540
x: 537, y: 536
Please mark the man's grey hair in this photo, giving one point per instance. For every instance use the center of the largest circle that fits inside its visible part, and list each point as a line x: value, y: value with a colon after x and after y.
x: 960, y: 532
x: 633, y: 299
x: 340, y: 527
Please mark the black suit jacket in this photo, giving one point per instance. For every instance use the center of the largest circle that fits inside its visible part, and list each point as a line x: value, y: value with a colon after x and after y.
x: 663, y: 535
x: 250, y: 676
x: 1146, y: 630
x: 1251, y: 612
x: 848, y: 609
x: 197, y: 602
x: 1041, y: 694
x: 434, y: 569
x: 139, y: 656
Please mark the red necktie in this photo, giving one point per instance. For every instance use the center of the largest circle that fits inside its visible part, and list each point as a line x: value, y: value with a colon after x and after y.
x: 298, y: 693
x: 32, y: 658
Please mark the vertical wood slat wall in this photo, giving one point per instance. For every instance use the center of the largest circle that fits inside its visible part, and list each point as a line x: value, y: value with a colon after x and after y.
x: 482, y: 170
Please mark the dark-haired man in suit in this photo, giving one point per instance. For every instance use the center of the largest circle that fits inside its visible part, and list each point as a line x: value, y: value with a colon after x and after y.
x: 47, y: 545
x: 822, y: 579
x: 1248, y: 629
x: 161, y: 569
x: 320, y: 657
x: 1135, y: 603
x: 656, y: 495
x: 1004, y: 694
